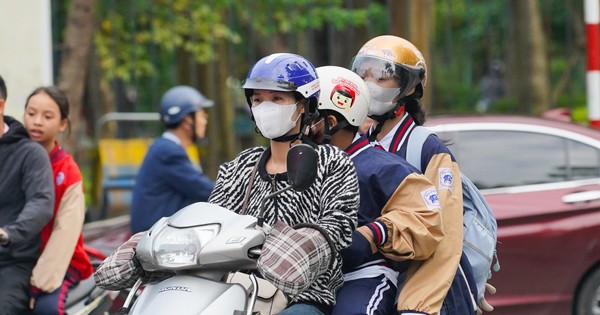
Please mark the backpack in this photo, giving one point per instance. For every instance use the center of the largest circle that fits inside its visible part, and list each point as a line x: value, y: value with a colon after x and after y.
x: 480, y: 227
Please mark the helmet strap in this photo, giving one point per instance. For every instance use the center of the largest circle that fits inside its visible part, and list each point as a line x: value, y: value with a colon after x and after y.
x: 375, y: 132
x: 330, y: 132
x: 288, y: 138
x: 381, y: 119
x: 192, y: 125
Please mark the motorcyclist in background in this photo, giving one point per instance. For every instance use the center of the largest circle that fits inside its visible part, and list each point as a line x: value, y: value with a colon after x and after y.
x: 167, y: 181
x: 26, y: 202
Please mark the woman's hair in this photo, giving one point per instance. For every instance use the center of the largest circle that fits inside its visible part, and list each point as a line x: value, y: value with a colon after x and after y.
x: 57, y: 96
x: 3, y: 91
x: 414, y: 108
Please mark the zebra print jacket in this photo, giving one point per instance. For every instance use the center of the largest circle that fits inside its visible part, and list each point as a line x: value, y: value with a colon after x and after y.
x: 331, y: 203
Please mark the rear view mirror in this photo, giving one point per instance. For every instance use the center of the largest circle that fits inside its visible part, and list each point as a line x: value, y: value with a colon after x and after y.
x: 302, y: 163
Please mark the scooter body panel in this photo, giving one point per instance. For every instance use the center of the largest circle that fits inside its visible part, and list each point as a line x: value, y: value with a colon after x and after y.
x: 190, y: 295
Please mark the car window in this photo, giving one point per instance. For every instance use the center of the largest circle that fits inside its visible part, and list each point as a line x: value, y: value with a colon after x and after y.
x: 584, y: 160
x: 494, y: 159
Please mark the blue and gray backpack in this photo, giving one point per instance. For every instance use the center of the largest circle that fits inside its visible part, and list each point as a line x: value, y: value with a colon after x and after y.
x: 480, y: 227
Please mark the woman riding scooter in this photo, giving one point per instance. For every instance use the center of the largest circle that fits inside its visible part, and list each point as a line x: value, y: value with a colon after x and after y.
x: 282, y: 91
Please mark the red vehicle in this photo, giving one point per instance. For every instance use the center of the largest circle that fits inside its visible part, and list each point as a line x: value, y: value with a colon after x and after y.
x: 542, y: 180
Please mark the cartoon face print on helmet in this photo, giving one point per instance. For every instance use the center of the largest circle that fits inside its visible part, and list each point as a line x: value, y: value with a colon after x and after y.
x: 345, y: 92
x: 386, y: 58
x: 179, y: 101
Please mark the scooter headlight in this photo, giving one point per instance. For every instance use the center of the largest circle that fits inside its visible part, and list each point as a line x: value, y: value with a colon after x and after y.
x: 180, y: 247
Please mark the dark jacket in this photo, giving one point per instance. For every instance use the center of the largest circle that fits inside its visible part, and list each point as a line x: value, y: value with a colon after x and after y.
x: 26, y: 193
x: 167, y: 181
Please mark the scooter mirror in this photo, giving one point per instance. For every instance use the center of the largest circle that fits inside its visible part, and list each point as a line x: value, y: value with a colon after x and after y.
x: 302, y: 162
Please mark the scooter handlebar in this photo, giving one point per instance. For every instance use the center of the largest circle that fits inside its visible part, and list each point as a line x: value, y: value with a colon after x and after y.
x: 255, y: 251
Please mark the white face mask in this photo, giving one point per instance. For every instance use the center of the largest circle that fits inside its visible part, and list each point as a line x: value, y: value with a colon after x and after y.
x: 274, y: 120
x: 382, y: 99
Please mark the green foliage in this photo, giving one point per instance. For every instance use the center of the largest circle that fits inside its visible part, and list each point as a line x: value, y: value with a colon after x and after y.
x: 471, y: 33
x: 125, y: 39
x: 130, y: 32
x: 580, y: 114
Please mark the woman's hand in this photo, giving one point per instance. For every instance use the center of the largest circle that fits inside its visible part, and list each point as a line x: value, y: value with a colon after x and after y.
x: 4, y: 239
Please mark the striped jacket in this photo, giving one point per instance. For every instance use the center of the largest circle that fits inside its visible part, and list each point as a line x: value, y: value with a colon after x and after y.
x: 331, y: 202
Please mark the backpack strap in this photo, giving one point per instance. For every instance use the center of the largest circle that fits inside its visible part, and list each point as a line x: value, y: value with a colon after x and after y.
x: 415, y: 145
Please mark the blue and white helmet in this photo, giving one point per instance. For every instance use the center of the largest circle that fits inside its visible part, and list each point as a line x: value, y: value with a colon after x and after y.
x: 283, y: 72
x: 179, y: 101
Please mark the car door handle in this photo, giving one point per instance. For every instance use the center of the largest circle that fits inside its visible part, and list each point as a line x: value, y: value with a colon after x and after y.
x: 579, y: 197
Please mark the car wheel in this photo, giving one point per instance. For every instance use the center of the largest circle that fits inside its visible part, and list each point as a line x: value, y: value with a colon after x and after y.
x: 588, y: 298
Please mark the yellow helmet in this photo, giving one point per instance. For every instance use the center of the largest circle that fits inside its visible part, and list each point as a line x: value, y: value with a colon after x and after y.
x: 389, y: 55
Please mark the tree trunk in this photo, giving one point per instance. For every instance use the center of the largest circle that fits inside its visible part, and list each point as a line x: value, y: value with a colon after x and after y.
x: 74, y: 64
x: 529, y: 66
x: 413, y: 21
x: 226, y: 104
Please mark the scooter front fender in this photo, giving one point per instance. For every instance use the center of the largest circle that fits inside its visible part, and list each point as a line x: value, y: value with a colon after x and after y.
x: 190, y: 295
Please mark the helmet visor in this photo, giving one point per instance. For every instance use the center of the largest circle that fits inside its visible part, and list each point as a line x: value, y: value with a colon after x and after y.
x: 374, y: 68
x: 268, y: 84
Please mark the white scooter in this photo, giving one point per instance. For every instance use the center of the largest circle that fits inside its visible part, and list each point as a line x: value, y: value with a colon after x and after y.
x: 201, y: 244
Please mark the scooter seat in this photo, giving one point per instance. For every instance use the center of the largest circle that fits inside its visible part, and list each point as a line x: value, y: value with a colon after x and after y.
x: 81, y: 291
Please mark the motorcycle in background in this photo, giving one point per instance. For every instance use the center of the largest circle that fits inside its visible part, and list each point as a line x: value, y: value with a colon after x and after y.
x: 86, y: 298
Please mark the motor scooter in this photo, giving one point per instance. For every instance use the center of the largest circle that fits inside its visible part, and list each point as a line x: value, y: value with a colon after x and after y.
x: 86, y: 298
x: 201, y: 244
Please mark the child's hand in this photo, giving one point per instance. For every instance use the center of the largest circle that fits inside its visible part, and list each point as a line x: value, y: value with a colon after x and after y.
x: 4, y: 240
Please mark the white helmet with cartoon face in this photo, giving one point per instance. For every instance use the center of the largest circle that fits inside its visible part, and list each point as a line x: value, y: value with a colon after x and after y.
x: 345, y: 92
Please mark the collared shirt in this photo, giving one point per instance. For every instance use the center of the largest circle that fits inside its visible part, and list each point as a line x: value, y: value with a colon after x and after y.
x: 171, y: 136
x: 386, y: 141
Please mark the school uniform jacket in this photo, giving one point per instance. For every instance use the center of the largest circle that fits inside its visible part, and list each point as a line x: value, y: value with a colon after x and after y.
x: 62, y: 241
x: 399, y: 205
x: 420, y: 292
x: 331, y: 203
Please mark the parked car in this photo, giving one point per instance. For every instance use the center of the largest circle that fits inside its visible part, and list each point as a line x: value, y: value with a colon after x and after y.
x: 542, y: 180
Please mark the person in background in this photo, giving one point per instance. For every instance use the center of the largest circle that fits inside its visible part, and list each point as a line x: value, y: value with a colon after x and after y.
x: 491, y: 86
x: 26, y: 201
x: 167, y: 180
x: 396, y: 74
x: 399, y: 214
x: 282, y: 92
x: 63, y: 262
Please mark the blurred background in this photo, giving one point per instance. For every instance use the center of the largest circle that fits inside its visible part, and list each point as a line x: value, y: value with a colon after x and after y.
x: 511, y: 56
